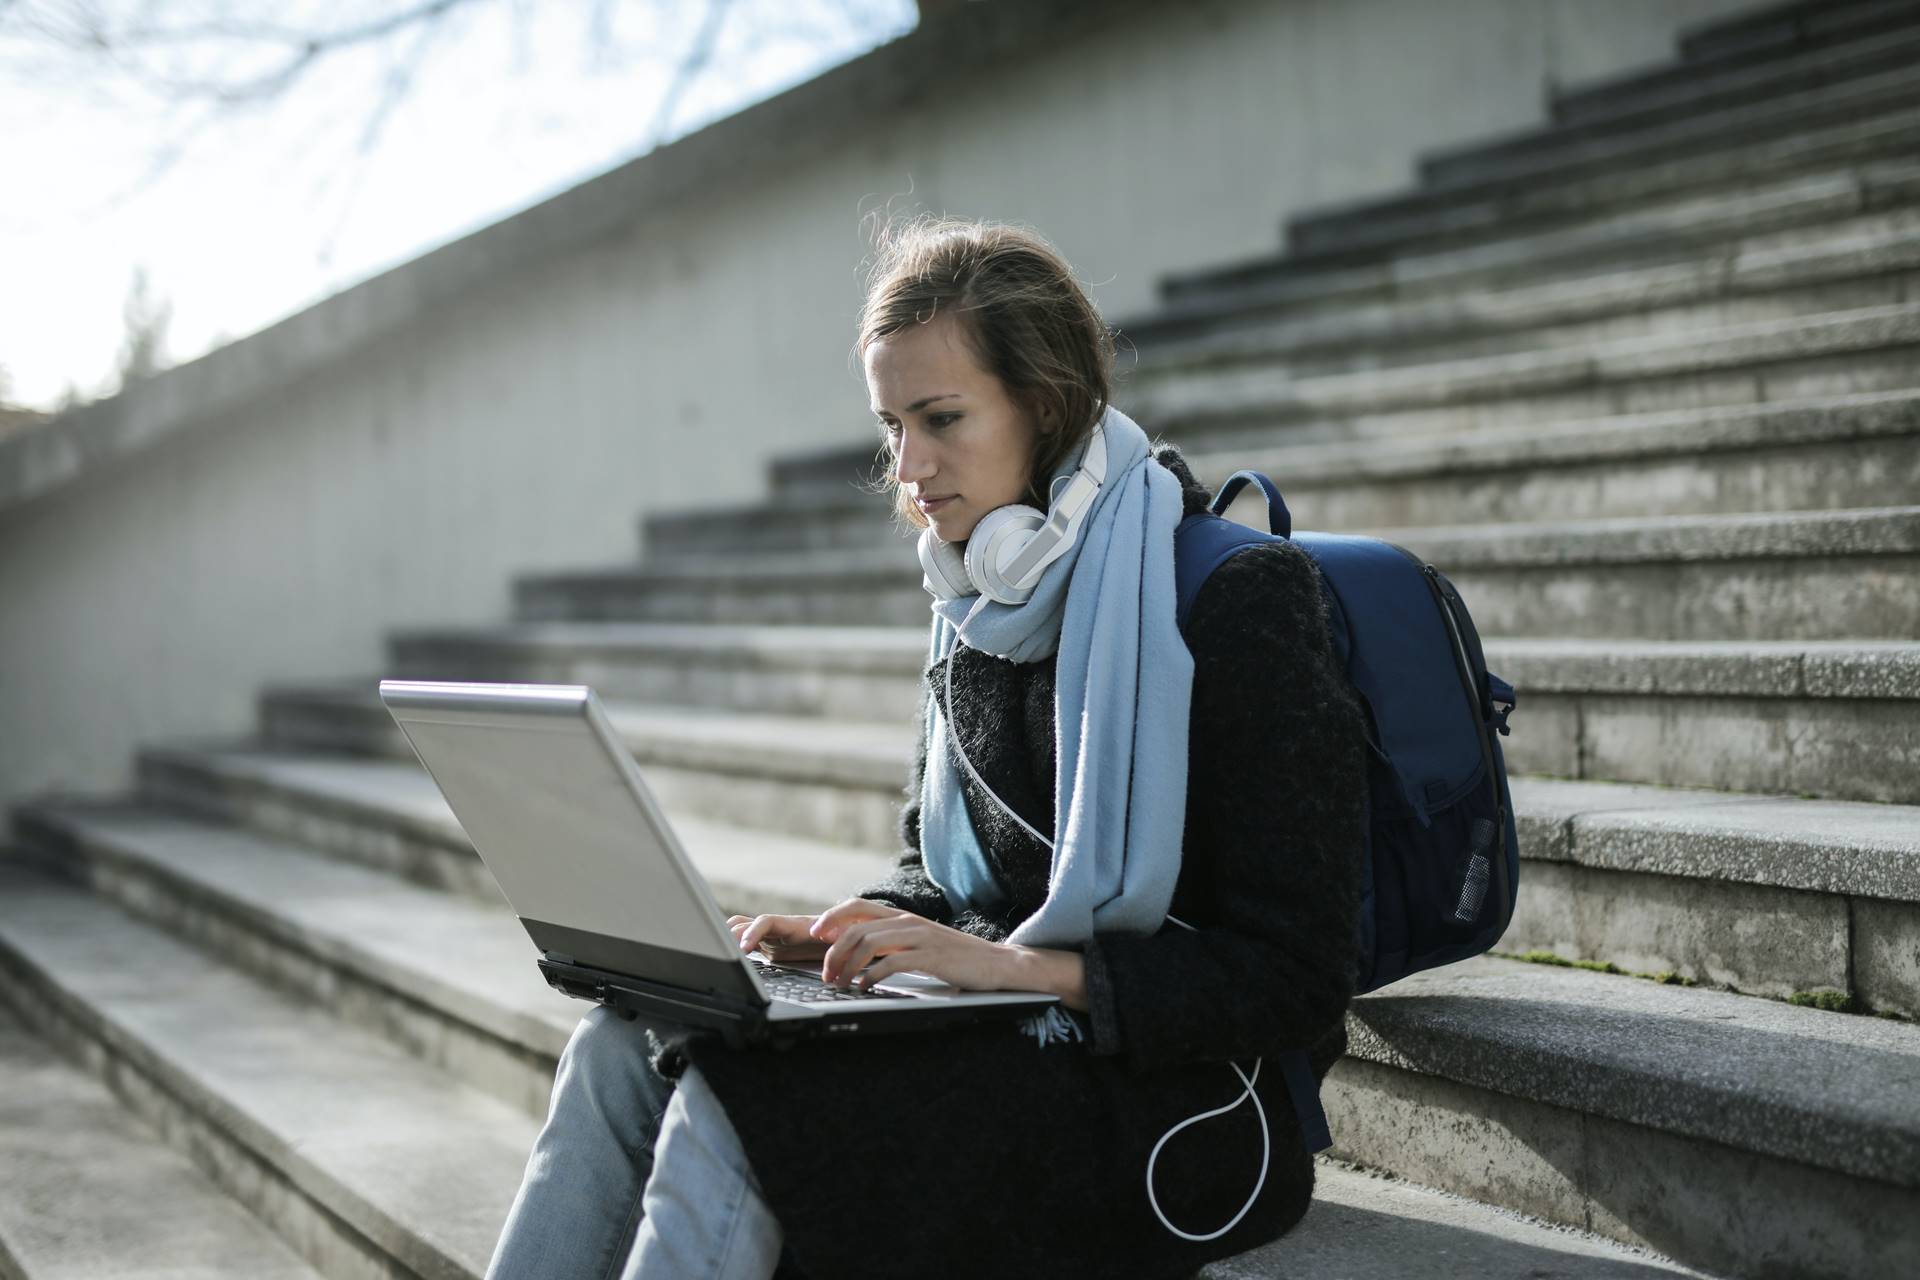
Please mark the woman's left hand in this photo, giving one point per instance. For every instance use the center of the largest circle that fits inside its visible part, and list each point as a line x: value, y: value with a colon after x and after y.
x: 895, y: 944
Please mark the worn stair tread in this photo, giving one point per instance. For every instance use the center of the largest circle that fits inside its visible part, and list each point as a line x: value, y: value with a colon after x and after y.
x: 1603, y: 540
x: 1651, y: 93
x: 1820, y: 846
x: 1658, y: 138
x: 1419, y: 237
x: 1811, y: 73
x: 774, y: 646
x: 400, y: 792
x: 1725, y: 668
x: 1756, y: 39
x: 1865, y: 667
x: 1615, y: 437
x: 1370, y: 236
x: 1833, y: 1090
x: 1363, y: 1226
x: 1515, y: 375
x: 1749, y: 126
x: 1826, y: 846
x: 1746, y: 239
x: 367, y: 1122
x: 410, y: 1158
x: 462, y: 955
x: 1765, y: 31
x: 1619, y: 438
x: 856, y: 752
x: 92, y: 1194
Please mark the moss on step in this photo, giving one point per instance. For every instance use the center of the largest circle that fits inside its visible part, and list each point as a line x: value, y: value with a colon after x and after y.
x: 1667, y: 976
x: 1828, y: 998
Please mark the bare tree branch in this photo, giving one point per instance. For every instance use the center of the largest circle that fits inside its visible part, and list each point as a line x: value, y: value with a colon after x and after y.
x: 399, y: 82
x: 688, y: 70
x: 86, y: 30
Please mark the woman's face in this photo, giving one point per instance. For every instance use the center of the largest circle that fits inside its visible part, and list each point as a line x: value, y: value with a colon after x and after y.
x: 960, y: 441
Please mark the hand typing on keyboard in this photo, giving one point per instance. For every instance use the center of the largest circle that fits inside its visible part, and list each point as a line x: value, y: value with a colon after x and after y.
x: 789, y: 940
x: 876, y: 941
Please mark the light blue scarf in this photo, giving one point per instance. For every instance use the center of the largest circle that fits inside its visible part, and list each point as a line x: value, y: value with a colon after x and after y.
x: 1123, y: 685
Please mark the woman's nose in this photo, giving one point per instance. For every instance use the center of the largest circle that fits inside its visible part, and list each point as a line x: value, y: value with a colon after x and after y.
x: 914, y: 462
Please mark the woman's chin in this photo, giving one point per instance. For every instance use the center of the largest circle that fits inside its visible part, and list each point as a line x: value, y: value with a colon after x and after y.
x: 949, y: 528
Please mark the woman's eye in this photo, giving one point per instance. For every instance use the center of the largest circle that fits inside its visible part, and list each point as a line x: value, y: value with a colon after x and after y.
x: 941, y: 419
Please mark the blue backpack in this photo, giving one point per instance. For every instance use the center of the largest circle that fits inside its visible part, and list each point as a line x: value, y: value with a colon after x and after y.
x: 1441, y: 857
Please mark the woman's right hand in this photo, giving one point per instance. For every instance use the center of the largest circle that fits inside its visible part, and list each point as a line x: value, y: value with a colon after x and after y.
x: 789, y: 939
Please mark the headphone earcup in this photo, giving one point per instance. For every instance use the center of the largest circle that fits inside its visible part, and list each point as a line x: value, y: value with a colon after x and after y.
x: 945, y: 566
x: 1001, y: 534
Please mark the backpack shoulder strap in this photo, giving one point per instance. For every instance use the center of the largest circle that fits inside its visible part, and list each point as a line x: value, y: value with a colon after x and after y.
x: 1202, y: 543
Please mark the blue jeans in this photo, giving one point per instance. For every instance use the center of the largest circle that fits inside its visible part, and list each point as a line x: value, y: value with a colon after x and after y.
x: 632, y: 1177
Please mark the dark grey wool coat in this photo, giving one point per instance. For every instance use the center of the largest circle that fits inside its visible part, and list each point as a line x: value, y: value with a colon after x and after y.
x: 978, y: 1153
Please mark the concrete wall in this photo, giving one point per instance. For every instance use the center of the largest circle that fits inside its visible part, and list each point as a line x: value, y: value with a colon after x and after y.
x: 647, y: 342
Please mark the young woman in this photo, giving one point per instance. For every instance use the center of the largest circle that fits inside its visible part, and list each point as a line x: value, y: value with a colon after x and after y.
x: 1163, y: 831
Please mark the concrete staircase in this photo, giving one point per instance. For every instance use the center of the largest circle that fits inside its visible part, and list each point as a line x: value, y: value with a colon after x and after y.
x: 1644, y: 382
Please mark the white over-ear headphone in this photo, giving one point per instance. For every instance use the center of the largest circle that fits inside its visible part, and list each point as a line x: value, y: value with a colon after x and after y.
x: 1012, y: 546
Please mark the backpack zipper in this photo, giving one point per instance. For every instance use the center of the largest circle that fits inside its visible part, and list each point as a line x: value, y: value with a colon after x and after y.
x: 1465, y: 669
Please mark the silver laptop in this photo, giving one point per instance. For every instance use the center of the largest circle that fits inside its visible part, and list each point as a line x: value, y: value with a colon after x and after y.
x: 557, y: 808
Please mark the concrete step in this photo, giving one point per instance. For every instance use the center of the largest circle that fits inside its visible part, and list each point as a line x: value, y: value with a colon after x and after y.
x: 1363, y: 1226
x: 1831, y: 720
x: 1637, y: 216
x: 64, y: 952
x: 369, y: 1163
x: 852, y: 673
x: 1617, y: 220
x: 1766, y: 895
x: 1823, y: 256
x: 1820, y: 85
x: 1870, y: 349
x: 1855, y: 117
x: 1247, y: 404
x: 1793, y: 575
x: 1820, y: 718
x: 354, y: 943
x: 1770, y: 29
x: 1589, y: 249
x: 1763, y: 895
x: 1825, y: 453
x: 1837, y: 720
x: 419, y: 1180
x: 446, y: 977
x: 1691, y: 87
x: 1740, y: 1135
x: 746, y: 810
x: 1755, y: 40
x: 88, y: 1193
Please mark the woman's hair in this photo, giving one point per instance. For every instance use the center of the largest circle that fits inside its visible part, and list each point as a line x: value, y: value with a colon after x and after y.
x: 1021, y: 313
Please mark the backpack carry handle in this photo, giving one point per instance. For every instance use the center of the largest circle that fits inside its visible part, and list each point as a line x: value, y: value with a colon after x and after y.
x: 1279, y: 519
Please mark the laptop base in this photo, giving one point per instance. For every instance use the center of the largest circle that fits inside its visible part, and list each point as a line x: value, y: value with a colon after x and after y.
x: 742, y: 1024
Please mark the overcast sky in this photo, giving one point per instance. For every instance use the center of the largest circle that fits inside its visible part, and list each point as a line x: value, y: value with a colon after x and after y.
x: 269, y: 209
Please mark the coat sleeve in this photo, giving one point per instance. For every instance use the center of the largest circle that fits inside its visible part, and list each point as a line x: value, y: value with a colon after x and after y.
x: 1270, y: 872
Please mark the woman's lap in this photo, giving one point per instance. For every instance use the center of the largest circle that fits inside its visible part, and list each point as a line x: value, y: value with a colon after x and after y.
x: 1039, y: 1144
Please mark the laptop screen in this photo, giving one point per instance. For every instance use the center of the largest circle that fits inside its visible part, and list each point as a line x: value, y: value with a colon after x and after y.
x: 558, y: 811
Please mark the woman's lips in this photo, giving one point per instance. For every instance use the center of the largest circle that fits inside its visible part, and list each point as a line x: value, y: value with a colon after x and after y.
x: 931, y: 505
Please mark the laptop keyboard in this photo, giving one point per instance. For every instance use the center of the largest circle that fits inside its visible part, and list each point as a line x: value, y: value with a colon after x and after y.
x: 788, y: 984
